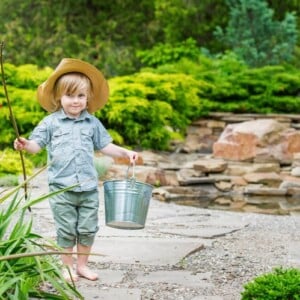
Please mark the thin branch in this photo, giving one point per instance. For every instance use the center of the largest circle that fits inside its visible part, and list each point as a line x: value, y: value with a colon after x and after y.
x: 13, y: 120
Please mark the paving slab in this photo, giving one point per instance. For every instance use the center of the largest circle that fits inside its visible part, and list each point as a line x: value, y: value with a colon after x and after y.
x: 208, y: 233
x: 148, y: 251
x: 106, y: 277
x: 110, y: 293
x: 216, y: 220
x: 184, y: 278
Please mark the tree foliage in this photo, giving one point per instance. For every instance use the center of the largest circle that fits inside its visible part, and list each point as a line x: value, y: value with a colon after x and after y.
x: 255, y: 36
x: 110, y: 33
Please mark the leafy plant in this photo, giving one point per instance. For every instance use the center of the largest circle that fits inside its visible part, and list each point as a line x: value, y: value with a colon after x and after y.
x: 162, y: 54
x: 255, y: 37
x: 10, y: 163
x: 147, y: 107
x: 281, y: 284
x: 26, y: 264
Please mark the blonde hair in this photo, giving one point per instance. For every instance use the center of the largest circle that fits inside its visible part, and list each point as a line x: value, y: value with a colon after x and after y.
x: 71, y: 83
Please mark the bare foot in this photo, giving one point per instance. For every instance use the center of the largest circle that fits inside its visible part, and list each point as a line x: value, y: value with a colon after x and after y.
x: 69, y: 275
x: 87, y: 273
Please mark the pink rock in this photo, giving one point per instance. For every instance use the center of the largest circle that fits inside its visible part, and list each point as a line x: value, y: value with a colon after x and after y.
x: 247, y: 140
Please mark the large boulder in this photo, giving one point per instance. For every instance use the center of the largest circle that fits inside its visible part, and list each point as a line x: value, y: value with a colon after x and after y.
x: 258, y: 140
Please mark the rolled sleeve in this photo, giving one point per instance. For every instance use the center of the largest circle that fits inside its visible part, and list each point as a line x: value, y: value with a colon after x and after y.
x: 41, y: 134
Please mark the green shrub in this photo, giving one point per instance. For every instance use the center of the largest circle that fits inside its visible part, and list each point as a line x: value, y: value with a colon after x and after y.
x: 144, y: 107
x: 150, y: 108
x: 10, y: 163
x: 22, y: 83
x: 281, y: 284
x: 169, y: 53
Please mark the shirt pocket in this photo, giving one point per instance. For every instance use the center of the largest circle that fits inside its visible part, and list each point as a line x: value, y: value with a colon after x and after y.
x: 61, y: 140
x: 86, y: 135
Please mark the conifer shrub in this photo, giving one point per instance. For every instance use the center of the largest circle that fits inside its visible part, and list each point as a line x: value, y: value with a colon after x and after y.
x: 280, y: 284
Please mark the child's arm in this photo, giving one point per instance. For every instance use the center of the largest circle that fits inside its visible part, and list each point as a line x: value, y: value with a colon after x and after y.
x: 28, y: 145
x: 114, y: 150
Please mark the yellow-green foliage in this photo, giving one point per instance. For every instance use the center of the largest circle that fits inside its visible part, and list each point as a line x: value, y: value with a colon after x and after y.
x: 10, y: 163
x: 25, y: 76
x: 21, y: 84
x: 231, y: 86
x: 118, y: 139
x: 146, y: 108
x: 150, y: 108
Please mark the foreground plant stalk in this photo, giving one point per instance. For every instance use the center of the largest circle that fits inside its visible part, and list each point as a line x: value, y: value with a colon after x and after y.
x: 13, y: 120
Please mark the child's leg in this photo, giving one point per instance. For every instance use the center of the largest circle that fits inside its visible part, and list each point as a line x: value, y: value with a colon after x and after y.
x: 87, y: 228
x: 64, y: 210
x: 82, y: 260
x: 67, y: 261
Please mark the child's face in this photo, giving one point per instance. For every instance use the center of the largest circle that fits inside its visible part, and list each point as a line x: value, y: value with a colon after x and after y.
x: 74, y: 104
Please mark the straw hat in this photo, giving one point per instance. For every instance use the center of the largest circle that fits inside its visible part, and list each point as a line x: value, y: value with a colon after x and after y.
x: 45, y: 92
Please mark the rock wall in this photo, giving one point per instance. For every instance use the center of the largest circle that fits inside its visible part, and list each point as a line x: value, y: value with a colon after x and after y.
x: 240, y: 162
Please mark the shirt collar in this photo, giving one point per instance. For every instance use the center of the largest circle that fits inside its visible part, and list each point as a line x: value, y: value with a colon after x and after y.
x: 84, y: 115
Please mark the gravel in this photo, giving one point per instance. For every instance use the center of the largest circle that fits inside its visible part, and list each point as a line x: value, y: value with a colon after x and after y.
x: 237, y: 258
x: 229, y: 263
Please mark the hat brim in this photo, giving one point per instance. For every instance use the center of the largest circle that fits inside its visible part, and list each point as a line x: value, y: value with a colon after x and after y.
x: 45, y: 92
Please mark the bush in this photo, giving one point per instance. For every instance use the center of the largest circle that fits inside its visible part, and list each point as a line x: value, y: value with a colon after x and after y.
x: 147, y: 108
x: 10, y: 163
x: 281, y: 284
x: 167, y: 53
x: 150, y: 108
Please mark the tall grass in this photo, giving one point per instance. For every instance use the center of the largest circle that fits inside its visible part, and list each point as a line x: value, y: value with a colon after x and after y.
x: 29, y: 268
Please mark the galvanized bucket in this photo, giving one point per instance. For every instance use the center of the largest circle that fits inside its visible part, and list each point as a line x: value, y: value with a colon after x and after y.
x: 126, y: 202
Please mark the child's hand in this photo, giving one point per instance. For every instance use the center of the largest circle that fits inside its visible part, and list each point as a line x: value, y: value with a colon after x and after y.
x: 133, y: 156
x: 20, y: 143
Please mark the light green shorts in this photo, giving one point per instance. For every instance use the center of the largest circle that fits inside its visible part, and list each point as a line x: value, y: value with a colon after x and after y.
x: 76, y: 217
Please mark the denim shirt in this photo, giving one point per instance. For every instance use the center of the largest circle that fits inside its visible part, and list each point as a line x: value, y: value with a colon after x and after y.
x: 70, y: 145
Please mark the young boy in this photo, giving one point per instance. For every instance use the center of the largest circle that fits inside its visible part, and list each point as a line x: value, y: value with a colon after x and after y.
x: 71, y: 134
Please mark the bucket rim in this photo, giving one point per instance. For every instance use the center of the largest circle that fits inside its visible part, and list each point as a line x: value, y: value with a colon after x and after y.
x: 127, y: 180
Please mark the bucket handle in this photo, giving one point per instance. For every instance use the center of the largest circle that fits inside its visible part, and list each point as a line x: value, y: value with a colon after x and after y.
x: 132, y: 179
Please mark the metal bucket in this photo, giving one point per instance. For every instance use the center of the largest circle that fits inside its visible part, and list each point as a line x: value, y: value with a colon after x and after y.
x: 126, y: 202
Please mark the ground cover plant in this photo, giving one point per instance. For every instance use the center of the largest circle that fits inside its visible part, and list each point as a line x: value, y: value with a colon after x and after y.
x: 280, y: 284
x: 28, y: 264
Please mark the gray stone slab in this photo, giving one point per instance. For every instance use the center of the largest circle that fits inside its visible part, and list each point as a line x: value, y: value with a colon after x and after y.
x: 107, y: 277
x: 208, y: 233
x: 106, y: 231
x: 217, y: 220
x: 151, y: 251
x: 110, y: 293
x: 185, y: 278
x: 204, y: 226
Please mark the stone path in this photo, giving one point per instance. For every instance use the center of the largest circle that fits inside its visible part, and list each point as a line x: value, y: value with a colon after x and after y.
x: 134, y: 261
